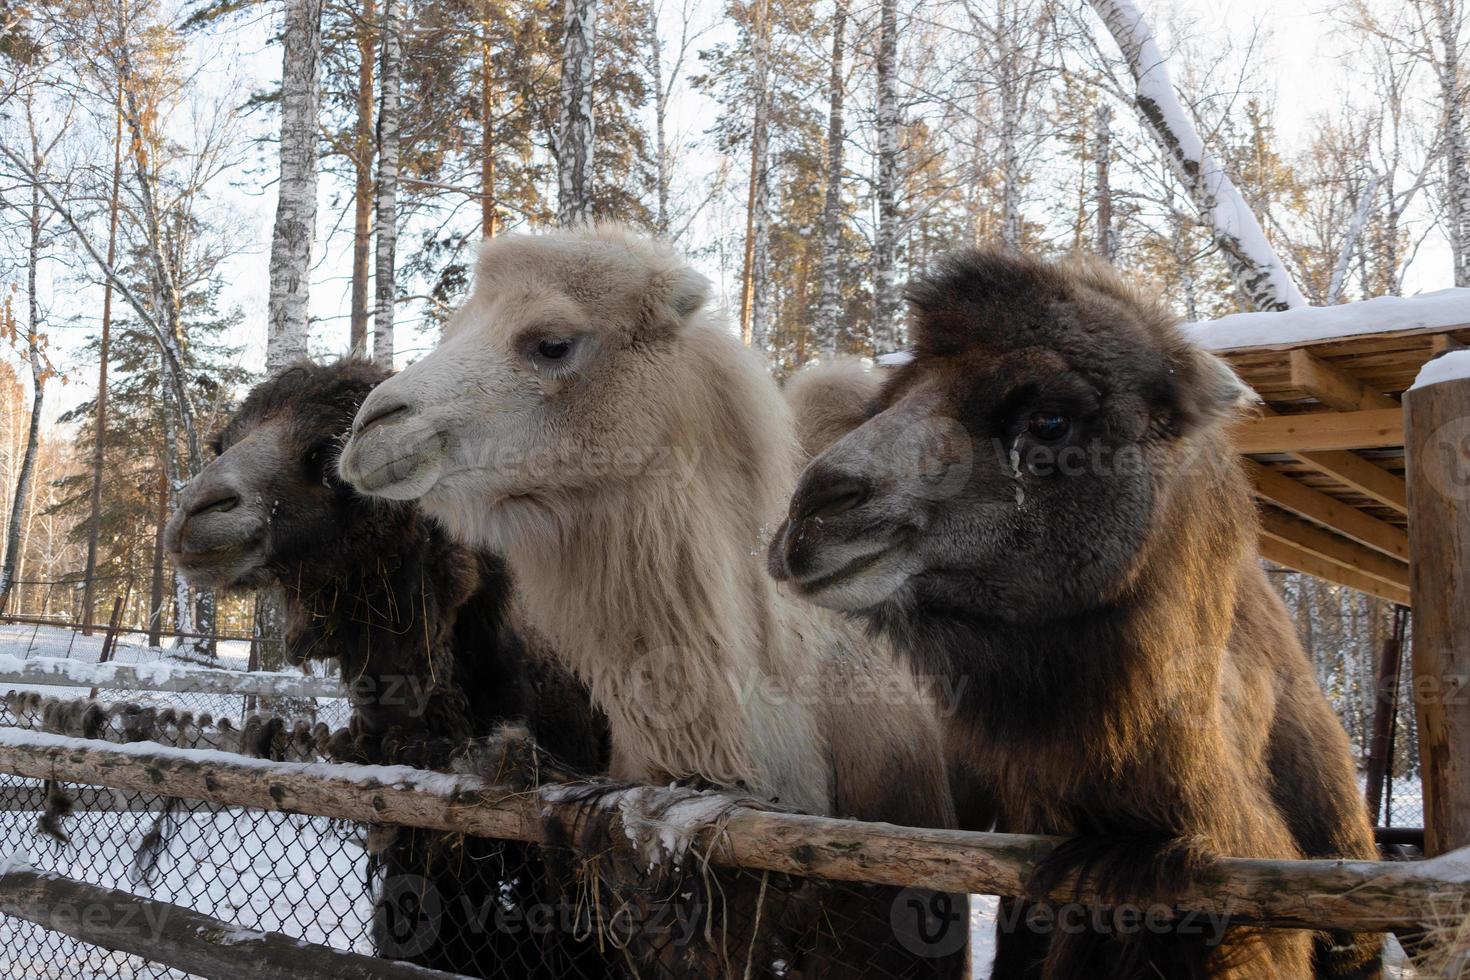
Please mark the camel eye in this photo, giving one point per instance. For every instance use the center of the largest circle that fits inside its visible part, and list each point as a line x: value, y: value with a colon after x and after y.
x: 1048, y: 426
x: 554, y: 349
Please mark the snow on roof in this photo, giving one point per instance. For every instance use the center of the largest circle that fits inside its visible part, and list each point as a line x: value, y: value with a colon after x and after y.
x: 1451, y: 366
x: 1444, y: 309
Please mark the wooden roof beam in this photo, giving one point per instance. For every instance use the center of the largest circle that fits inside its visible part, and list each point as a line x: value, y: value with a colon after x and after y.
x: 1319, y: 432
x: 1304, y: 561
x: 1331, y: 547
x: 1354, y: 471
x: 1314, y: 505
x: 1333, y: 386
x: 1442, y: 342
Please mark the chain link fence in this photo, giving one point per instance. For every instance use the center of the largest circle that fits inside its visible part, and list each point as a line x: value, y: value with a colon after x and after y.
x: 463, y: 905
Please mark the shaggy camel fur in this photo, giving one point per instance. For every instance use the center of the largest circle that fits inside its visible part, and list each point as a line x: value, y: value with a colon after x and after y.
x: 584, y: 417
x: 1045, y: 502
x: 418, y: 625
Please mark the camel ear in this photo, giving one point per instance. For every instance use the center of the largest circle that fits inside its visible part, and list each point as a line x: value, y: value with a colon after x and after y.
x: 1207, y: 389
x: 688, y: 293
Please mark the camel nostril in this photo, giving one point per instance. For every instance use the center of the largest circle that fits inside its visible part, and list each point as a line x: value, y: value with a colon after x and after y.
x: 380, y: 414
x: 221, y: 503
x: 830, y: 498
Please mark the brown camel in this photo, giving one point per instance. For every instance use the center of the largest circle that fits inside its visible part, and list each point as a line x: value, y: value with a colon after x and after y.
x: 1044, y: 503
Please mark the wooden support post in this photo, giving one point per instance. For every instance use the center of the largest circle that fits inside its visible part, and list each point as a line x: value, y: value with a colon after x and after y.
x: 1437, y: 443
x: 1385, y: 710
x: 182, y: 938
x: 110, y: 640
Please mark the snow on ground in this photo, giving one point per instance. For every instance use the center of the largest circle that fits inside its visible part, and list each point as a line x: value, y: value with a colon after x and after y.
x: 301, y: 876
x: 1445, y: 308
x: 30, y: 642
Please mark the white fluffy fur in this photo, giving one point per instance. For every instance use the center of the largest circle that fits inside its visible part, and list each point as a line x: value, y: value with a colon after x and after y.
x: 650, y: 584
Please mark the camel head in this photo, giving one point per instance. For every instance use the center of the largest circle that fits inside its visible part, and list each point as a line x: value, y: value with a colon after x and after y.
x: 550, y: 382
x: 1015, y: 467
x: 270, y: 503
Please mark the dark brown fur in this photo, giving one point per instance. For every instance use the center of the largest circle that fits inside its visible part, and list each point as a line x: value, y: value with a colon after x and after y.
x: 1131, y: 678
x: 420, y: 628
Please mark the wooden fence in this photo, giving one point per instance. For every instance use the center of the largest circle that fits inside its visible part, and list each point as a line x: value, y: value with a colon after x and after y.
x: 1318, y: 894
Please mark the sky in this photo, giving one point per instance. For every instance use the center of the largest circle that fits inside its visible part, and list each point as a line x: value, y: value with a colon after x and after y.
x: 1299, y: 47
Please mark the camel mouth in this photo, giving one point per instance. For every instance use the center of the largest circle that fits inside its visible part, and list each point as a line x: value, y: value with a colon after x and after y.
x: 238, y: 564
x: 861, y: 582
x: 377, y: 462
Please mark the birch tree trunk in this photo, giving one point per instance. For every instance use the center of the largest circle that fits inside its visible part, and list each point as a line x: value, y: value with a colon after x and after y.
x: 1107, y: 242
x: 1256, y: 268
x: 576, y: 132
x: 384, y: 279
x: 663, y: 161
x: 829, y: 299
x: 1350, y: 244
x: 21, y: 497
x: 1448, y: 15
x: 757, y: 226
x: 295, y: 226
x: 99, y: 437
x: 885, y: 245
x: 362, y: 191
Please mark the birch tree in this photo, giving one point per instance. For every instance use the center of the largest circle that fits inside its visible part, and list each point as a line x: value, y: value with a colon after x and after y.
x: 32, y: 344
x: 576, y: 132
x: 295, y: 225
x: 365, y: 35
x: 1448, y: 18
x: 384, y: 273
x: 886, y: 335
x: 757, y: 227
x: 1257, y: 270
x: 829, y: 296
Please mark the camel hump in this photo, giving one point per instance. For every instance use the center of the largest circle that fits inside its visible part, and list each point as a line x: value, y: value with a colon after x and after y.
x: 829, y: 399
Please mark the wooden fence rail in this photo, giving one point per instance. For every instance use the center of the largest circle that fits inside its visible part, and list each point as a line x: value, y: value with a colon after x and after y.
x: 1362, y: 895
x: 182, y: 938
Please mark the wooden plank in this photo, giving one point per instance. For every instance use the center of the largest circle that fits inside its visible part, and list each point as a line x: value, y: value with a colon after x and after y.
x: 1333, y: 386
x: 181, y: 938
x: 1319, y: 431
x: 1321, y: 894
x: 1333, y: 548
x: 1364, y: 476
x: 1443, y: 342
x: 1438, y: 446
x: 1304, y: 561
x: 1315, y: 505
x: 1355, y: 472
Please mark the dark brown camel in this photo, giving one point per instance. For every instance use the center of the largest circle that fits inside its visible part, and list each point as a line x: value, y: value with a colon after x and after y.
x: 1044, y: 505
x: 419, y: 626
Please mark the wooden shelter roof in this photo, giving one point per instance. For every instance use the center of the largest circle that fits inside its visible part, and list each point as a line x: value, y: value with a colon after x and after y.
x: 1327, y: 450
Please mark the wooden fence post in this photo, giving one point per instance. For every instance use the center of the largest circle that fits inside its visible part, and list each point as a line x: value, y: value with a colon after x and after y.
x: 1385, y: 710
x: 1437, y: 443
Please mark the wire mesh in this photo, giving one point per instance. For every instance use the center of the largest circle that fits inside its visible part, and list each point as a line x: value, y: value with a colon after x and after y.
x: 470, y: 906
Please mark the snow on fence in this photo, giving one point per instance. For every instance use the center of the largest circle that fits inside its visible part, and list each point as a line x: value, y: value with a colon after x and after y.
x: 1314, y: 894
